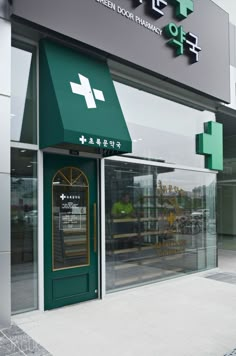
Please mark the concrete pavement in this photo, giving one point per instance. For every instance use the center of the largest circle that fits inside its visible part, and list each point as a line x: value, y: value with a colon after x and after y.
x: 189, y: 316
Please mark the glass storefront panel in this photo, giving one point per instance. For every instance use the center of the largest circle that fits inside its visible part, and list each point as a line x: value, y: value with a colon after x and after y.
x: 160, y: 223
x: 162, y: 129
x: 23, y: 94
x: 24, y: 224
x: 226, y: 197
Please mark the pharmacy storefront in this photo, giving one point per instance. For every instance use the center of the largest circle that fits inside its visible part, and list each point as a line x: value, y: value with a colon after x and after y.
x: 114, y: 145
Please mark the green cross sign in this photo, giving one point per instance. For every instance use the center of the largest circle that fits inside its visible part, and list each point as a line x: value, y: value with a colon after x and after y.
x: 210, y: 144
x: 184, y: 8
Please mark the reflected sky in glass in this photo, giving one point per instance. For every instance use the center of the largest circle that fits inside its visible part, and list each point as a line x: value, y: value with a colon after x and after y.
x: 162, y: 129
x: 20, y: 69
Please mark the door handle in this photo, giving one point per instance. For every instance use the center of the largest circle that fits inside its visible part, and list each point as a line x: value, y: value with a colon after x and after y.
x: 95, y: 227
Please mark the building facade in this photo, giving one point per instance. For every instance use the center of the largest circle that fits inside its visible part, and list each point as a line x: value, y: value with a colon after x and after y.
x: 112, y: 140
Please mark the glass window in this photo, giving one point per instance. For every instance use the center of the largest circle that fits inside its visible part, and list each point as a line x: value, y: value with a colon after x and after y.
x: 24, y: 222
x: 226, y: 195
x: 162, y: 129
x: 23, y: 95
x: 160, y: 223
x: 70, y: 219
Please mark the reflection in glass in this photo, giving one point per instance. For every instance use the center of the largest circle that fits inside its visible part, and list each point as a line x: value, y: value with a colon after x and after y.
x: 70, y: 219
x: 162, y: 129
x: 160, y: 223
x: 226, y: 193
x: 23, y: 95
x: 24, y: 222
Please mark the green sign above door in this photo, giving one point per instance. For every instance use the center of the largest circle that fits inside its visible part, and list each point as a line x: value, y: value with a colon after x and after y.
x: 210, y: 144
x: 78, y: 103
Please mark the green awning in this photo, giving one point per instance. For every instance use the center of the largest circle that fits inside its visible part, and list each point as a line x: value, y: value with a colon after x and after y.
x: 79, y: 108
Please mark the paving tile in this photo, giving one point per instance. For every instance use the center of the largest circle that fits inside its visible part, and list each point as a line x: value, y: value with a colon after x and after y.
x: 232, y: 353
x: 3, y: 339
x: 30, y: 347
x: 36, y: 351
x: 17, y: 340
x: 13, y: 331
x: 8, y: 349
x: 223, y: 277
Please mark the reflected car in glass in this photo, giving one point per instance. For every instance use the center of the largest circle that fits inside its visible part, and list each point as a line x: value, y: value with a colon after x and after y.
x: 31, y: 217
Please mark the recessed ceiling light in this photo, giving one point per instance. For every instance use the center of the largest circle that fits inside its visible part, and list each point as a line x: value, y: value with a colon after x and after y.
x: 23, y: 151
x: 29, y: 166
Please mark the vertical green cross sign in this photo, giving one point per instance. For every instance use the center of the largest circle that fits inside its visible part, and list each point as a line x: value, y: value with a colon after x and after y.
x: 210, y: 144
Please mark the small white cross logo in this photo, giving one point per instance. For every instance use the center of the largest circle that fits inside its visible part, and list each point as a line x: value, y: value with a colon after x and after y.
x: 62, y: 197
x: 85, y: 89
x: 83, y: 140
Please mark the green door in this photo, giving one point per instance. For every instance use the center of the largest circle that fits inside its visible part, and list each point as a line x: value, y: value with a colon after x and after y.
x: 70, y: 230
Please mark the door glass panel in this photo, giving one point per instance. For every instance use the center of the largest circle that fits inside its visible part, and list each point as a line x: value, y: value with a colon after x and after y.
x: 70, y: 219
x: 80, y: 180
x: 76, y: 175
x: 67, y: 173
x: 60, y: 179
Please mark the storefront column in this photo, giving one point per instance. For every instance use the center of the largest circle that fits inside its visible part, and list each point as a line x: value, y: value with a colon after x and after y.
x: 5, y: 115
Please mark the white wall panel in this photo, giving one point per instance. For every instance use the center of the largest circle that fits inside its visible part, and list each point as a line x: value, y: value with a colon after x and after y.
x: 5, y: 135
x: 5, y: 115
x: 5, y: 214
x: 232, y: 104
x: 5, y: 283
